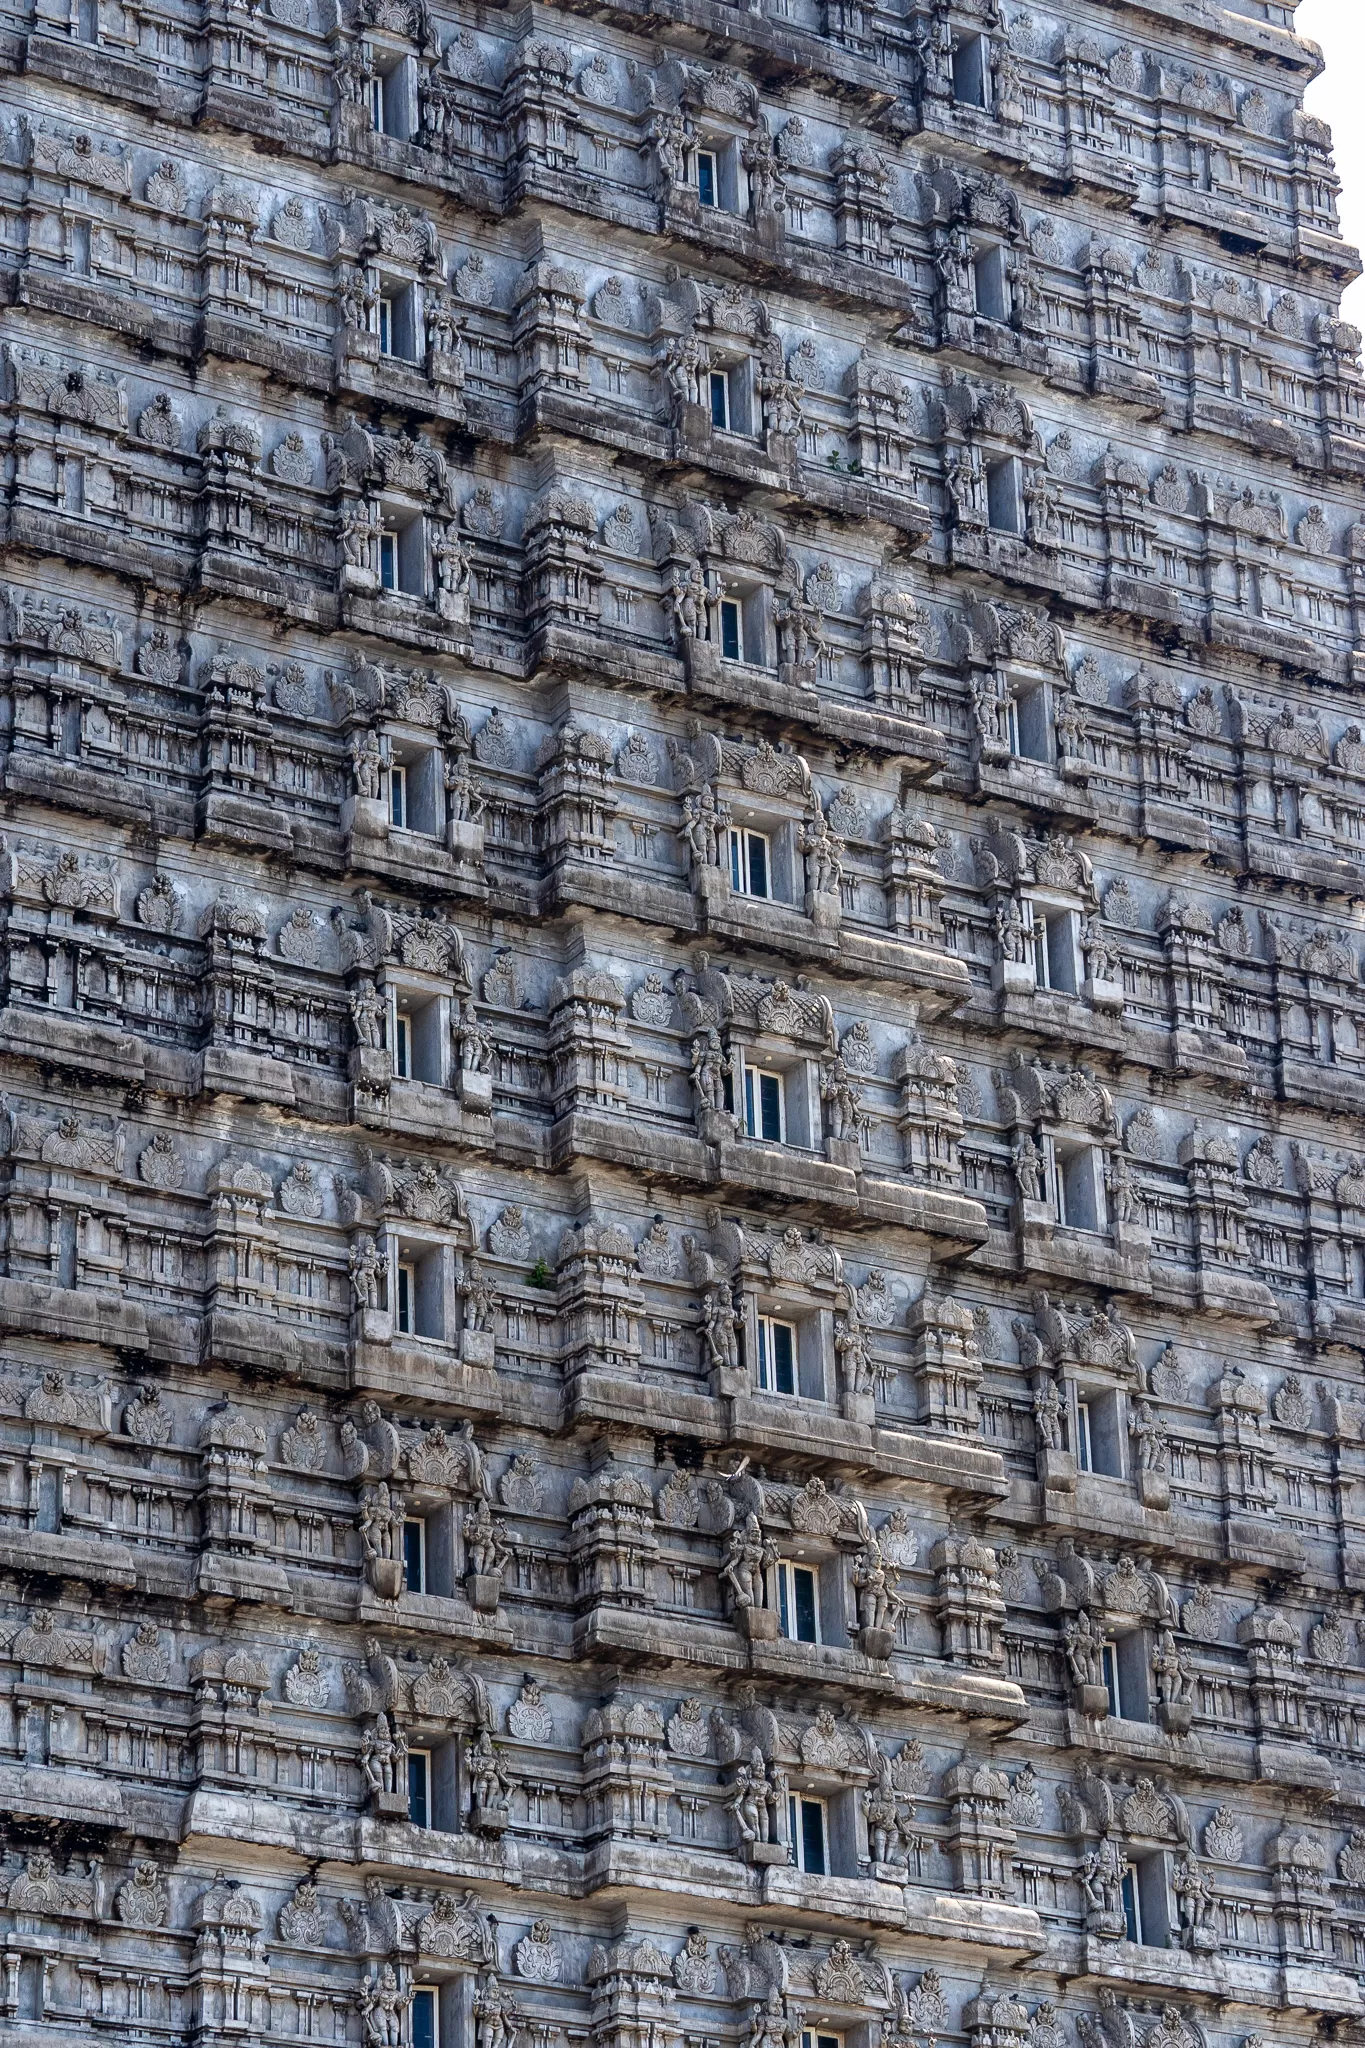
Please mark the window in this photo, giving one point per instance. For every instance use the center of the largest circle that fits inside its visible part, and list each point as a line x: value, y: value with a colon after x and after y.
x: 750, y: 862
x: 402, y: 554
x: 394, y: 320
x: 720, y: 399
x: 415, y: 1553
x: 1030, y: 723
x: 1004, y: 499
x: 798, y: 1602
x: 765, y: 1106
x: 708, y: 177
x: 1146, y: 1902
x: 971, y: 70
x: 992, y: 290
x: 806, y: 1823
x: 810, y: 2040
x: 419, y: 1787
x: 390, y: 101
x: 776, y: 1356
x: 1079, y: 1187
x: 1099, y: 1436
x: 398, y: 794
x: 80, y: 247
x: 415, y: 1035
x: 731, y: 630
x: 1125, y: 1662
x: 1054, y: 950
x: 407, y: 1298
x: 88, y: 21
x: 426, y: 2017
x: 73, y: 483
x: 417, y: 1290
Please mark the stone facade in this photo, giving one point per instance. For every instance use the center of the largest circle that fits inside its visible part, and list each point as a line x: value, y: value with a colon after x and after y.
x: 682, y: 1254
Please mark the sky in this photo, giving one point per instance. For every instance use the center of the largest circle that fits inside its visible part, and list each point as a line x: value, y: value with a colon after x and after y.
x: 1338, y: 27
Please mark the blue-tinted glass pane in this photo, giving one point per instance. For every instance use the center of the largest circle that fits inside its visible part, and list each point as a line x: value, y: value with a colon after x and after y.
x: 784, y: 1365
x: 417, y: 1791
x: 770, y: 1105
x: 812, y: 1838
x: 803, y: 1586
x: 706, y: 179
x: 729, y: 631
x: 412, y: 1556
x: 758, y: 865
x: 424, y: 2019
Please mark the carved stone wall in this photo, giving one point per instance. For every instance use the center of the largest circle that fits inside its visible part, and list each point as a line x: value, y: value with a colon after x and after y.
x: 682, y: 1028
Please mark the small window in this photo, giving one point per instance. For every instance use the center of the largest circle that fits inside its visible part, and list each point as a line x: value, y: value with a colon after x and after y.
x: 731, y: 629
x: 88, y: 21
x: 1054, y: 950
x: 765, y: 1109
x: 398, y: 794
x: 798, y: 1602
x: 708, y: 177
x: 991, y: 288
x: 1146, y: 1902
x: 394, y: 320
x: 971, y: 70
x: 750, y: 862
x: 426, y: 2017
x: 73, y: 483
x: 407, y: 1298
x: 720, y: 399
x: 810, y: 2040
x: 806, y: 1821
x: 1080, y: 1190
x: 390, y: 101
x: 80, y: 247
x: 1030, y: 724
x: 419, y: 1787
x: 1099, y: 1436
x: 415, y: 1553
x: 1004, y: 499
x: 776, y: 1356
x: 402, y: 555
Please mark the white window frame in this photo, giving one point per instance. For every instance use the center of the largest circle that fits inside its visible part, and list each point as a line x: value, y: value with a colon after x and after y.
x: 389, y: 572
x: 742, y: 862
x: 787, y: 1569
x: 754, y: 1077
x: 768, y: 1326
x: 375, y: 95
x: 383, y: 324
x: 711, y: 157
x: 718, y: 386
x: 795, y: 1802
